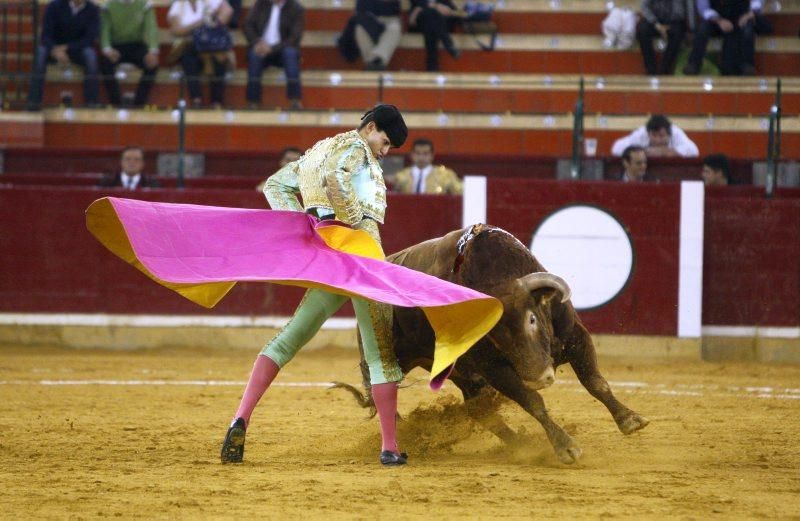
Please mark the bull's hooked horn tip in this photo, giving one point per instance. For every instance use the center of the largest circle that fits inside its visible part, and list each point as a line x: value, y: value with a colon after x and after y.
x: 542, y: 279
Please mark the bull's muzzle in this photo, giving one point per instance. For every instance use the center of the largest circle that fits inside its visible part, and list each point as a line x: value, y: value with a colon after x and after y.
x: 546, y: 379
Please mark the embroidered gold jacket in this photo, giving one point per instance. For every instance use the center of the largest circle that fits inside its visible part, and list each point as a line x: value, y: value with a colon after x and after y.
x: 338, y: 175
x: 441, y: 180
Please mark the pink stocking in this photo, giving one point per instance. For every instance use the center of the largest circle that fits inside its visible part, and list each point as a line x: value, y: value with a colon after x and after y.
x: 264, y: 372
x: 385, y: 397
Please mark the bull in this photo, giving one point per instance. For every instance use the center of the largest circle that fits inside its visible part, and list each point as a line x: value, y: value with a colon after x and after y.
x: 538, y: 331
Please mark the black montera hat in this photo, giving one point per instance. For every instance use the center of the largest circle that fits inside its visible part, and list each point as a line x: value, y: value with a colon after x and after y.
x: 388, y: 119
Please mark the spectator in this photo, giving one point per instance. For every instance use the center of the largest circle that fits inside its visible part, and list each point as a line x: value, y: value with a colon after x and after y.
x: 373, y: 32
x: 716, y: 170
x: 128, y: 34
x: 735, y: 22
x: 184, y: 17
x: 423, y: 177
x: 433, y: 18
x: 619, y: 28
x: 69, y: 31
x: 660, y: 138
x: 273, y: 29
x: 667, y: 19
x: 634, y: 165
x: 288, y: 155
x: 130, y: 175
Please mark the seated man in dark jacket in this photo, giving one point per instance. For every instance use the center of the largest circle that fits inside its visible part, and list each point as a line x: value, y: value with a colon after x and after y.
x: 667, y: 19
x: 273, y: 29
x: 733, y: 20
x: 130, y: 175
x: 69, y: 31
x: 433, y: 18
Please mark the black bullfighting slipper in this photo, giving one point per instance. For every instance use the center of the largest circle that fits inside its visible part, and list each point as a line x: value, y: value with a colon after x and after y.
x: 233, y: 446
x: 392, y: 459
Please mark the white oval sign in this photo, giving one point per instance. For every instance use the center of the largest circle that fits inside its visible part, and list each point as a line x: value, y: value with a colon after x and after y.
x: 587, y: 247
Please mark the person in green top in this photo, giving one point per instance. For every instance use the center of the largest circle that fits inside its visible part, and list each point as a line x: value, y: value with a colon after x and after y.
x: 129, y: 34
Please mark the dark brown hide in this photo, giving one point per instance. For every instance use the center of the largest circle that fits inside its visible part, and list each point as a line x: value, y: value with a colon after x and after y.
x: 536, y: 332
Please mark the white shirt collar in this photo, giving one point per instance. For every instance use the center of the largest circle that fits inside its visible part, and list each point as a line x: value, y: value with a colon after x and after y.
x: 130, y: 182
x: 626, y: 178
x: 76, y: 10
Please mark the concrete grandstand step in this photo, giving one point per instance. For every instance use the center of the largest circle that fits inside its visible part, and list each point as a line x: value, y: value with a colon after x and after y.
x: 474, y: 92
x: 454, y: 133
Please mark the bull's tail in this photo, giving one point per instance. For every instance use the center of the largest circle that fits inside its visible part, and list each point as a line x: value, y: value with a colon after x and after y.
x: 364, y: 399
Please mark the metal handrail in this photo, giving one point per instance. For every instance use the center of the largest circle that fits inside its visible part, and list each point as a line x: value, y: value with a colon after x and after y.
x: 181, y: 132
x: 774, y: 143
x: 577, y: 135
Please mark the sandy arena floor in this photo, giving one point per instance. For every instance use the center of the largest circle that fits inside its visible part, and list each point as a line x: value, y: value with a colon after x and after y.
x: 87, y: 434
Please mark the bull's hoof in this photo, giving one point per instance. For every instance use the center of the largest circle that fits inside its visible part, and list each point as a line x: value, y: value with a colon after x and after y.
x: 569, y: 455
x: 631, y: 423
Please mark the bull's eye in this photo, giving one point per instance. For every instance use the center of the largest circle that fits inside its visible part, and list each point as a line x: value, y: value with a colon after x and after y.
x: 533, y: 320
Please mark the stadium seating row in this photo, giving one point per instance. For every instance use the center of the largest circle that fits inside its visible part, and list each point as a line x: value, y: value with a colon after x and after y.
x: 478, y: 110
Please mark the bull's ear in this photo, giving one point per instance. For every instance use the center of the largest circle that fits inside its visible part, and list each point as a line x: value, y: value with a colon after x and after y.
x: 543, y: 296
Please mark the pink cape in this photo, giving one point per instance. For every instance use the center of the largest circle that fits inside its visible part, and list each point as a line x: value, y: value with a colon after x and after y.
x: 201, y: 251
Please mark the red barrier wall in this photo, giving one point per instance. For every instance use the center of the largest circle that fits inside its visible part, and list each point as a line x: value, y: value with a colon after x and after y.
x: 751, y: 272
x: 650, y: 216
x: 51, y: 161
x: 50, y: 263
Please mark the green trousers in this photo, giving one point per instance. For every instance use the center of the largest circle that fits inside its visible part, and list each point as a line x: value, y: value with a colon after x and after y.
x: 315, y: 308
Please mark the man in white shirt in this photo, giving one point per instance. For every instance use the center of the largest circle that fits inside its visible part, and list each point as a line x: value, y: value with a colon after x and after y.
x: 659, y: 138
x: 130, y: 176
x: 273, y: 29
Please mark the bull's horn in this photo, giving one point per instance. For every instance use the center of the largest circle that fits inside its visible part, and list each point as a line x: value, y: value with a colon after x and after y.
x: 543, y: 279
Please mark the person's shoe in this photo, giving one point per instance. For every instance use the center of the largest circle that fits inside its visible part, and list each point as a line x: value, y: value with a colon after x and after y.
x: 233, y: 446
x: 393, y: 459
x: 691, y: 69
x: 295, y: 104
x: 375, y: 65
x: 452, y: 50
x: 748, y: 70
